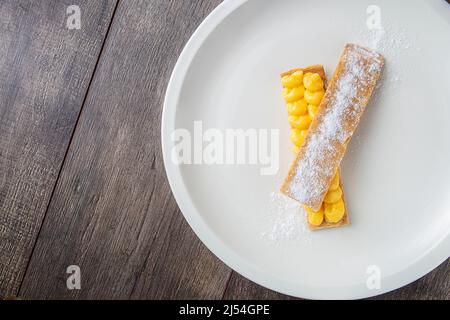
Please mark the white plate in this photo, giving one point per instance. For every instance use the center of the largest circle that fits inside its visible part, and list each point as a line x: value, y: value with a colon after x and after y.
x: 396, y: 171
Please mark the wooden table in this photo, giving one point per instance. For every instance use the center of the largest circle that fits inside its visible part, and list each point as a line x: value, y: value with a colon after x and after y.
x: 82, y: 180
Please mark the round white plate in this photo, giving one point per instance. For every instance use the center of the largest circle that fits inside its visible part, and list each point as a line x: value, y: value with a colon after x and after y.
x: 396, y: 171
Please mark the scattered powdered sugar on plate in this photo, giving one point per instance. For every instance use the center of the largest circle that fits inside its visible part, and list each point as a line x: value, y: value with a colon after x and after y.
x: 387, y: 40
x: 393, y: 43
x: 287, y: 220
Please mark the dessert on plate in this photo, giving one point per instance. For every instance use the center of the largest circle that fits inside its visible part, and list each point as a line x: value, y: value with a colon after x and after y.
x: 322, y: 136
x: 303, y: 89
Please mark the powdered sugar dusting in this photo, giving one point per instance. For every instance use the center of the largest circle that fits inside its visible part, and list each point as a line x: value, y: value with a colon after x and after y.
x: 287, y: 220
x: 324, y: 149
x: 391, y: 41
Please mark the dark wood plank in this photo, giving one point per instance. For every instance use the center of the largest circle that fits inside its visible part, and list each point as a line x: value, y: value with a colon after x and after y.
x: 112, y: 212
x: 45, y: 70
x: 241, y: 288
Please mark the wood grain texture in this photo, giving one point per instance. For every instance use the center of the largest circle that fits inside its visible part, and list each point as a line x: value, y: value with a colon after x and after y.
x: 45, y: 71
x: 112, y: 212
x: 244, y: 289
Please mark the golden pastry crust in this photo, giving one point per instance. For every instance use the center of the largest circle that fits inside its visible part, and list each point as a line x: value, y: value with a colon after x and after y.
x: 339, y: 113
x: 318, y: 68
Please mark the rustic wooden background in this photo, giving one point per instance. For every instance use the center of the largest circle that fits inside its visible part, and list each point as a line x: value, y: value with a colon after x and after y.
x: 81, y: 173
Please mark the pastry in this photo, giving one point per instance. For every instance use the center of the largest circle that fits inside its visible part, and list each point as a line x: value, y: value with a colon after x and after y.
x: 296, y: 83
x: 338, y: 115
